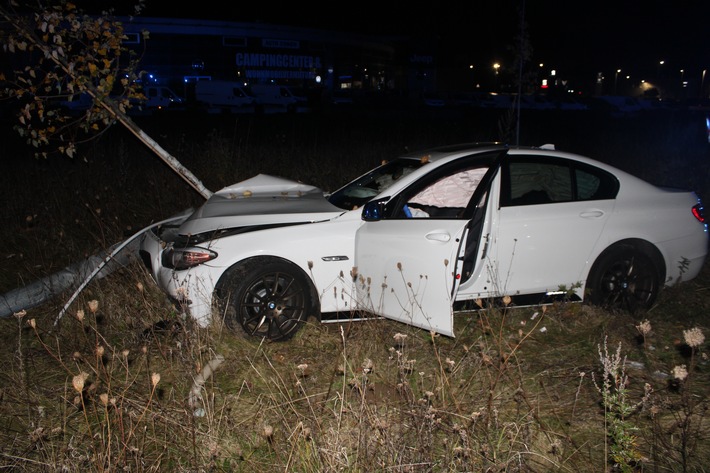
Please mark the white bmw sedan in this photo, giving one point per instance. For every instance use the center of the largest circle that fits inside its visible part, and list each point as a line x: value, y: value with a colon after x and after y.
x: 416, y: 237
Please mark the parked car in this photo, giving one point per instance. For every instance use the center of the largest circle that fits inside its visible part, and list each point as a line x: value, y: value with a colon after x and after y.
x: 415, y: 238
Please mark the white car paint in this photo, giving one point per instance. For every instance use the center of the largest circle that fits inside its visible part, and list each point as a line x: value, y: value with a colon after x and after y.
x: 413, y: 270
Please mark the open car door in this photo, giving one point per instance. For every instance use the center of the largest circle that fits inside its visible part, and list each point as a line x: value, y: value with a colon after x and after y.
x: 409, y: 269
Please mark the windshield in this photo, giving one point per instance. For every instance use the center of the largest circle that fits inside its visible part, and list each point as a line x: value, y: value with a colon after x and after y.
x: 364, y: 188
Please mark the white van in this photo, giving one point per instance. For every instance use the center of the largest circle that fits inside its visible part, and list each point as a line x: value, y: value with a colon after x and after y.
x: 223, y: 96
x: 274, y: 98
x: 159, y: 97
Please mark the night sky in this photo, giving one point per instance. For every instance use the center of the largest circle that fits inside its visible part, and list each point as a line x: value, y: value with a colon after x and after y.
x: 566, y: 35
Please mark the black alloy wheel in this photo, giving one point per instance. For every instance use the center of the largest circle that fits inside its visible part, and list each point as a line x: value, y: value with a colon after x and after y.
x: 266, y: 297
x: 624, y: 278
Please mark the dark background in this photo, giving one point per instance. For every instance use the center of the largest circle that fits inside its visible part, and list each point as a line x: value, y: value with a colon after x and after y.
x: 584, y: 37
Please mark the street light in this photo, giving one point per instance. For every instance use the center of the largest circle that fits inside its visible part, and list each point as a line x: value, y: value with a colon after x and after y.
x: 616, y: 76
x: 496, y: 66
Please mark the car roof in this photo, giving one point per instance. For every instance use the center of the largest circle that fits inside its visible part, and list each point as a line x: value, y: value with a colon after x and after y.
x: 440, y: 152
x: 460, y: 149
x: 455, y: 151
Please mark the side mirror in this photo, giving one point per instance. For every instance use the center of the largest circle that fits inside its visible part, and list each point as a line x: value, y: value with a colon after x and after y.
x: 374, y: 210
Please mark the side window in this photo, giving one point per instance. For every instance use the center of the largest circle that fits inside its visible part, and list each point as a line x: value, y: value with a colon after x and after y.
x: 547, y: 180
x: 595, y: 184
x: 537, y: 182
x: 448, y: 196
x: 587, y: 184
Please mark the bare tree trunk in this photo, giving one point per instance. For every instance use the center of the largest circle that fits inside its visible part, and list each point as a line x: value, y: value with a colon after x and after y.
x: 162, y: 153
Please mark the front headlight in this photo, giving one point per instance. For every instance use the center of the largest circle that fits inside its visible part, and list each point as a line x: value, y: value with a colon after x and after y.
x: 185, y: 258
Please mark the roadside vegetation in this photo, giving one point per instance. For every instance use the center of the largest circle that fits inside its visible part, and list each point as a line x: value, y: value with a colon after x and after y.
x: 123, y: 383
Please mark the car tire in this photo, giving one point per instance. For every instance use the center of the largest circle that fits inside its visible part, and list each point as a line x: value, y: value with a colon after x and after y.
x: 266, y: 297
x: 623, y: 278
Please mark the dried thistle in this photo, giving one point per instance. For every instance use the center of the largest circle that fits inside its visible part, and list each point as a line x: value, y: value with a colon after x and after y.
x: 399, y: 338
x: 155, y: 379
x: 93, y: 306
x: 693, y: 337
x: 80, y: 315
x: 79, y: 380
x: 680, y: 372
x: 644, y: 327
x: 303, y: 370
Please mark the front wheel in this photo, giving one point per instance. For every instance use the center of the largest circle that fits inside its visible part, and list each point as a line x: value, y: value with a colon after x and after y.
x: 266, y: 297
x: 623, y: 278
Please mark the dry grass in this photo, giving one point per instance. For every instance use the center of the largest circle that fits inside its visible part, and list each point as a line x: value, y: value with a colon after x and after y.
x: 123, y: 383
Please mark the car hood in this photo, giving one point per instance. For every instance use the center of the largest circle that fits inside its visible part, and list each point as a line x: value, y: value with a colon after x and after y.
x: 261, y: 200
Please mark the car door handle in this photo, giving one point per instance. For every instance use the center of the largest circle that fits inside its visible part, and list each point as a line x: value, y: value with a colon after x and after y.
x: 592, y: 214
x: 438, y: 236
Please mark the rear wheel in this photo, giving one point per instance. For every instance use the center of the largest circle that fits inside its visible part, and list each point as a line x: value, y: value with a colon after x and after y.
x: 623, y: 278
x: 266, y: 297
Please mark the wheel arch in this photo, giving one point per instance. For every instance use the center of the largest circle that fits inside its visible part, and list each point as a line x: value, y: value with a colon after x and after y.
x: 224, y: 279
x: 646, y: 247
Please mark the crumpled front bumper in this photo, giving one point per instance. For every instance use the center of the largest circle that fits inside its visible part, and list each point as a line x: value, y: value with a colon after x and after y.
x: 184, y: 288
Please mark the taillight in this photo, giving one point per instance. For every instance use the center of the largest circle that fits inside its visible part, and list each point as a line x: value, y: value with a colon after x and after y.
x: 699, y: 213
x: 184, y: 258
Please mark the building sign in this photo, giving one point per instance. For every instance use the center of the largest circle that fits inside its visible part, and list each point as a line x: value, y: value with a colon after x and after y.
x: 281, y: 43
x: 278, y: 66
